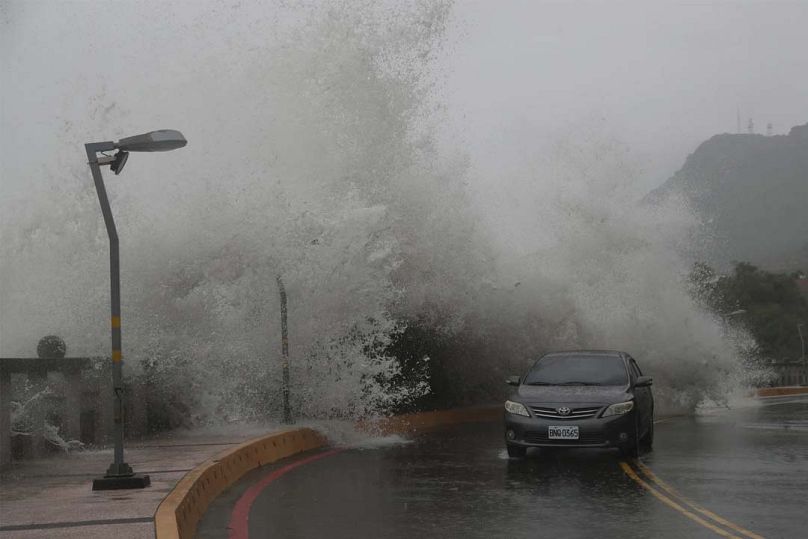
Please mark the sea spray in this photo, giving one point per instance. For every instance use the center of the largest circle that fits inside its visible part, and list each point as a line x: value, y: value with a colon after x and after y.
x: 312, y: 155
x: 294, y: 181
x: 592, y: 267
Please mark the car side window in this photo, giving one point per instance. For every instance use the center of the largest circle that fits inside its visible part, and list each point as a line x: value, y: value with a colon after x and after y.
x: 635, y: 368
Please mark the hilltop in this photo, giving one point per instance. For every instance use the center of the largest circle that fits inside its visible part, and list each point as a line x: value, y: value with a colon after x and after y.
x: 751, y: 193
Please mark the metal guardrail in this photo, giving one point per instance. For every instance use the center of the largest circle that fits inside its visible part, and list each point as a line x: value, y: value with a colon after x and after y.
x: 792, y: 373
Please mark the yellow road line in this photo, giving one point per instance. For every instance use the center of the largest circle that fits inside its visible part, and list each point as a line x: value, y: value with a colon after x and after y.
x: 670, y: 490
x: 672, y: 504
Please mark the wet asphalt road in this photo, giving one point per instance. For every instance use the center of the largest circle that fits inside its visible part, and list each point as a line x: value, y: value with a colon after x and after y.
x: 741, y: 473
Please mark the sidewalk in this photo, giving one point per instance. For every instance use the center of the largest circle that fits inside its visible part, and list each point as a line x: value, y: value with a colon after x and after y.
x: 53, y: 497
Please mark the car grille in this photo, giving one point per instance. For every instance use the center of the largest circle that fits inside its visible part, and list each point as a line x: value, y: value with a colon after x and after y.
x: 585, y: 438
x: 575, y: 413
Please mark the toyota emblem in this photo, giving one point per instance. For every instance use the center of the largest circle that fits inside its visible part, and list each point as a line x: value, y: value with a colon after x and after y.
x: 563, y: 410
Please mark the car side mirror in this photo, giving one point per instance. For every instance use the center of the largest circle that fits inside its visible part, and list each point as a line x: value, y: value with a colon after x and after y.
x: 643, y: 381
x: 512, y: 380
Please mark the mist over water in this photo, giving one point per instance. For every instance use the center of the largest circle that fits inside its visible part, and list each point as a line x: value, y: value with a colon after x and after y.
x: 318, y: 153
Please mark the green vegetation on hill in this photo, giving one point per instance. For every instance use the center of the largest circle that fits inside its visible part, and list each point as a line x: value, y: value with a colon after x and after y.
x: 768, y: 305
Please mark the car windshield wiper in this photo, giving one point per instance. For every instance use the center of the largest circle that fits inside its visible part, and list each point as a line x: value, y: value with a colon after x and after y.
x: 539, y: 384
x: 579, y: 384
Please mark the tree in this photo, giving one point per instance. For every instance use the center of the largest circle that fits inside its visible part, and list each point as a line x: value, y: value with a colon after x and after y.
x: 768, y: 305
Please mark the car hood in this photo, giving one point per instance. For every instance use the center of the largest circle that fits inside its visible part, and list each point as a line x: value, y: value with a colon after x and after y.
x: 573, y: 394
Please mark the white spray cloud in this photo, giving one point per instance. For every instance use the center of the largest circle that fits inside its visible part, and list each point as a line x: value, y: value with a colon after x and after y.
x: 312, y: 156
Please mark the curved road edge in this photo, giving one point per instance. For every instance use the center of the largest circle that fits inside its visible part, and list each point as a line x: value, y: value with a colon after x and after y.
x: 179, y: 513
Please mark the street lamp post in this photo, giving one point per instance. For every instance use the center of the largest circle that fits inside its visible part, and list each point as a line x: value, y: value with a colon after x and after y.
x: 119, y: 474
x: 287, y: 411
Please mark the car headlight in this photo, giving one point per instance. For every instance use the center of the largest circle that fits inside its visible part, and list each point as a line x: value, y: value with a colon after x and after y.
x: 516, y: 408
x: 619, y: 409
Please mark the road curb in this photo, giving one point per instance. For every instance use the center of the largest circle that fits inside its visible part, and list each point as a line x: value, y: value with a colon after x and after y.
x: 421, y: 421
x: 179, y: 513
x: 781, y: 391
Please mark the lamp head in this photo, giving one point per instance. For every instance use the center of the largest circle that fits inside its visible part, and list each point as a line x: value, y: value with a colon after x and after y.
x: 118, y: 163
x: 162, y: 140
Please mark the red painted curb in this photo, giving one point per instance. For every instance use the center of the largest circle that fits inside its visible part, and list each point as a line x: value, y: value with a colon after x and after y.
x: 240, y: 516
x: 781, y: 391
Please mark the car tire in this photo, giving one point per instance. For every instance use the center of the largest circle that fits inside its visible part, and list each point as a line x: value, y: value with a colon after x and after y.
x: 647, y: 441
x: 631, y: 450
x: 516, y: 451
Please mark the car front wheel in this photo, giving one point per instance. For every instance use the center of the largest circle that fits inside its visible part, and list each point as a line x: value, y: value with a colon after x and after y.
x: 647, y: 441
x: 631, y: 448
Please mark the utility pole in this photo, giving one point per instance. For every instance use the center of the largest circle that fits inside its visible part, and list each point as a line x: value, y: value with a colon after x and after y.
x: 802, y: 340
x: 287, y: 412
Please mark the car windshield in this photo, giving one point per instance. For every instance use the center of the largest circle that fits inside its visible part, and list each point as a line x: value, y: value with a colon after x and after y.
x: 580, y: 370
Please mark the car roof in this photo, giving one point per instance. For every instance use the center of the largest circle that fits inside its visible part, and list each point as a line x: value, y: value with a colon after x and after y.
x: 604, y: 353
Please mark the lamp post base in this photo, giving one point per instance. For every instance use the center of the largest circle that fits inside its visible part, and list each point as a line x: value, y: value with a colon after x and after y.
x: 119, y: 477
x: 121, y: 482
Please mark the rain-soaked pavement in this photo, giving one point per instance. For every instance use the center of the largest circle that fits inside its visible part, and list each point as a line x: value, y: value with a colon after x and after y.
x: 741, y: 473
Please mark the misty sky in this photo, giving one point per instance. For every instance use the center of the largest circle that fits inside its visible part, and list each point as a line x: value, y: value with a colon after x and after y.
x: 661, y: 77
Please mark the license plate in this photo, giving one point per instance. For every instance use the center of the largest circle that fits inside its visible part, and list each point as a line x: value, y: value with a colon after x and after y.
x: 562, y: 433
